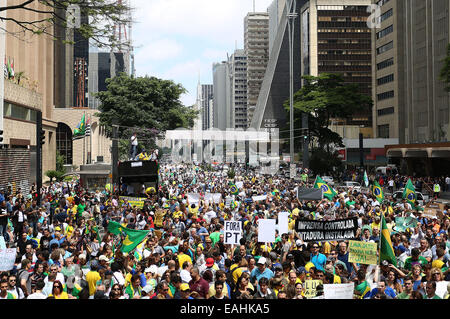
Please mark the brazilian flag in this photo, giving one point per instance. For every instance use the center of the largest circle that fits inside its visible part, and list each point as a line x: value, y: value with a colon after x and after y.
x: 328, y: 192
x: 377, y: 191
x: 234, y: 189
x: 386, y: 249
x: 132, y: 239
x: 409, y: 193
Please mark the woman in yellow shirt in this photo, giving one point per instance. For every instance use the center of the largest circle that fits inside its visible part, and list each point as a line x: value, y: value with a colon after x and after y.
x: 58, y: 291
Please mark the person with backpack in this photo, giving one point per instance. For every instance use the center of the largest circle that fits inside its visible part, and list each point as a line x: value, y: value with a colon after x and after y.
x: 14, y: 288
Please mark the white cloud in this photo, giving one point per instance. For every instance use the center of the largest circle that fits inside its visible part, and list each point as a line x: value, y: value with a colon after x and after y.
x: 158, y: 50
x: 177, y: 39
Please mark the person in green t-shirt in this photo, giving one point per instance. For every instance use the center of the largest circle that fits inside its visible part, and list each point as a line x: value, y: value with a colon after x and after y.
x: 408, y: 289
x: 4, y: 294
x: 415, y: 259
x: 431, y: 291
x: 215, y: 236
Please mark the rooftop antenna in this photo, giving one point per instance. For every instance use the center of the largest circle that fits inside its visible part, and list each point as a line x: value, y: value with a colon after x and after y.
x: 254, y: 10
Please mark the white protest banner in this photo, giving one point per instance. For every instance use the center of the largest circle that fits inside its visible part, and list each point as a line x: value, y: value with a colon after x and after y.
x: 441, y: 288
x: 283, y: 223
x: 239, y: 185
x: 193, y: 198
x: 266, y: 230
x: 2, y: 243
x: 338, y: 291
x: 258, y: 198
x: 213, y: 197
x: 7, y: 259
x: 232, y: 232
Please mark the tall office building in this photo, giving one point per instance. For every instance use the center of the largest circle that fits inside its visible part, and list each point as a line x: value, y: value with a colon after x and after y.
x: 275, y: 11
x: 337, y: 39
x: 222, y: 96
x: 204, y: 96
x: 256, y: 46
x: 408, y: 52
x: 238, y: 72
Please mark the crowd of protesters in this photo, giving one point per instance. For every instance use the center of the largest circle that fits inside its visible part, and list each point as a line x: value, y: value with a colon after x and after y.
x: 64, y: 249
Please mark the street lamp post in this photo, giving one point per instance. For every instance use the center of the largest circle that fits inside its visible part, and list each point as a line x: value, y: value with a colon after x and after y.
x: 291, y: 15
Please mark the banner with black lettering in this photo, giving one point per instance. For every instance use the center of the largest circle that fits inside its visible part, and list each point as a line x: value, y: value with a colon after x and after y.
x: 317, y: 230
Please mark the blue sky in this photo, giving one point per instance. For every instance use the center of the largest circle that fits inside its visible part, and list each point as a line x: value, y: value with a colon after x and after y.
x: 180, y: 39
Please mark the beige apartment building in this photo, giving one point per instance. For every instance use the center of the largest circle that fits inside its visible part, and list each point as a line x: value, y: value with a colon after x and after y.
x: 256, y: 48
x: 409, y: 47
x: 32, y: 89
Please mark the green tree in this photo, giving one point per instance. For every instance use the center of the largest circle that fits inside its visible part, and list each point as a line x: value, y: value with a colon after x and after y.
x: 444, y: 76
x: 325, y: 98
x: 146, y: 105
x: 100, y: 28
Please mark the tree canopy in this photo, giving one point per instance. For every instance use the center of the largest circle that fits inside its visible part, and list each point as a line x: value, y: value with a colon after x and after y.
x: 146, y: 105
x: 325, y: 98
x: 102, y: 16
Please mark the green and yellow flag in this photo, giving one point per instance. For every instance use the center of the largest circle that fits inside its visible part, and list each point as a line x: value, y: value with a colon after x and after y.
x: 132, y: 239
x: 409, y: 193
x: 80, y: 131
x: 386, y: 249
x: 234, y: 189
x: 377, y: 191
x: 328, y: 192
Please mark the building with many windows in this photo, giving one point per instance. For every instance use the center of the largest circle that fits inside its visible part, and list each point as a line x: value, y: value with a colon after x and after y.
x: 409, y: 47
x: 336, y: 39
x: 256, y: 46
x: 238, y: 73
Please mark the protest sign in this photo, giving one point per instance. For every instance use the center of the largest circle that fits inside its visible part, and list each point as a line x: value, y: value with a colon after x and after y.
x: 2, y: 243
x: 233, y: 232
x: 283, y: 223
x: 403, y: 223
x: 259, y: 198
x: 309, y: 193
x: 338, y: 291
x: 193, y: 198
x: 310, y: 288
x: 134, y: 201
x: 266, y: 230
x: 239, y: 185
x: 317, y: 230
x: 434, y: 210
x: 7, y: 259
x: 213, y: 198
x: 361, y: 252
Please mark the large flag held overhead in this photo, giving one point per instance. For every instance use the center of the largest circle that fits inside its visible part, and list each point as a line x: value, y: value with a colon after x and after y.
x: 132, y: 239
x: 409, y: 193
x: 328, y: 192
x: 80, y: 131
x: 377, y: 191
x: 386, y: 249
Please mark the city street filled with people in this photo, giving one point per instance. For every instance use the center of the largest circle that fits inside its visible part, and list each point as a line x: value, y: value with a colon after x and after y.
x: 100, y: 244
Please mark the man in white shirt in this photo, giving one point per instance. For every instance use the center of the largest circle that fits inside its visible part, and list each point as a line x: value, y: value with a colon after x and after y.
x: 134, y: 144
x: 447, y: 182
x: 37, y: 294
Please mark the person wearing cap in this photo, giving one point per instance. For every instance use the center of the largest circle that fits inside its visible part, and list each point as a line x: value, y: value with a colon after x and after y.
x: 261, y: 271
x: 185, y: 291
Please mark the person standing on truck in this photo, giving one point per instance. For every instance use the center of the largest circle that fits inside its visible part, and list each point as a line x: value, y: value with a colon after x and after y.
x: 134, y: 144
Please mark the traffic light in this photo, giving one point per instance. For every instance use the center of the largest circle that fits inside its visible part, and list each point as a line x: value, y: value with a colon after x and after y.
x: 42, y: 137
